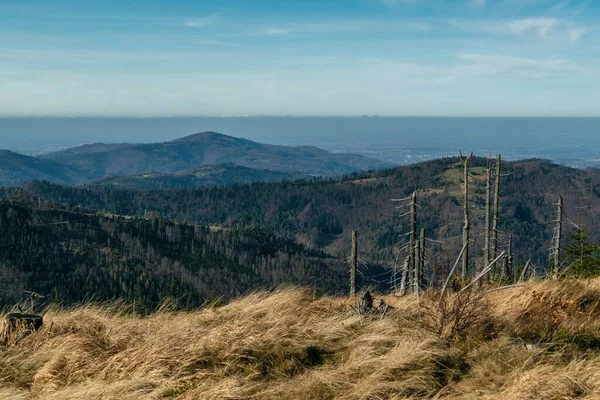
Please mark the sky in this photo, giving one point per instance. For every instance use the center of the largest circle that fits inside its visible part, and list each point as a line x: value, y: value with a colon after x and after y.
x: 302, y: 58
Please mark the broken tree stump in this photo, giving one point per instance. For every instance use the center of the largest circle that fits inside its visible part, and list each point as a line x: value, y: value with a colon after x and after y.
x: 365, y: 303
x: 18, y: 325
x: 365, y: 306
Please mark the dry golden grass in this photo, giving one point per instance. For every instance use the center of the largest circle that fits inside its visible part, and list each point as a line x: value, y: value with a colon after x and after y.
x: 287, y: 344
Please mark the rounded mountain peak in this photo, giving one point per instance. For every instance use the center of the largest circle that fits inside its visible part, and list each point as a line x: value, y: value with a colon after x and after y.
x: 206, y: 136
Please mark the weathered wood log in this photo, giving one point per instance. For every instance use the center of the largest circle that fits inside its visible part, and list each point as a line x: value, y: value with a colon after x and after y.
x: 19, y: 325
x: 33, y: 321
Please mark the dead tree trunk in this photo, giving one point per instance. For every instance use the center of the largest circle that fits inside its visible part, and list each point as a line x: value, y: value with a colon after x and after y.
x: 421, y: 256
x: 417, y: 272
x: 413, y: 239
x: 557, y: 239
x: 404, y: 276
x: 353, y: 263
x: 496, y: 209
x: 467, y: 222
x: 393, y: 280
x: 509, y: 258
x: 488, y: 208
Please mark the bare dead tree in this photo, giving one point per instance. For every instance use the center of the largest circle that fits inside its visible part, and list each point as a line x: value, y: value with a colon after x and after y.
x: 467, y: 222
x: 494, y: 243
x: 410, y: 266
x: 417, y: 272
x: 488, y: 207
x: 421, y: 256
x: 508, y: 269
x: 353, y: 263
x: 557, y: 238
x: 404, y: 276
x: 413, y: 239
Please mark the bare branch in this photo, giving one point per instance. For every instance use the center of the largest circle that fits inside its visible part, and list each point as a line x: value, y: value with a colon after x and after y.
x: 485, y: 271
x: 435, y: 241
x: 523, y: 273
x: 453, y: 268
x: 502, y: 288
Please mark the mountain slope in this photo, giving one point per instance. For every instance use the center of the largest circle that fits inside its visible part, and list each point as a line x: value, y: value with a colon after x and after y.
x: 73, y: 256
x: 322, y: 213
x: 210, y: 175
x: 99, y: 160
x: 16, y: 168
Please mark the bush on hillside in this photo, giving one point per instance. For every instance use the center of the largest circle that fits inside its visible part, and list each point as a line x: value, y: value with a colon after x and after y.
x: 456, y: 315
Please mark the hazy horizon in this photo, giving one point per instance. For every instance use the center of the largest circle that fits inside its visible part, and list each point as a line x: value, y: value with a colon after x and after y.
x: 402, y: 140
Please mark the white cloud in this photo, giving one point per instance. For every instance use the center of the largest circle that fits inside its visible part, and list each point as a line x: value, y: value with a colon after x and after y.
x: 199, y: 22
x: 541, y: 26
x: 576, y: 33
x: 376, y: 87
x: 346, y: 26
x: 478, y: 3
x: 277, y: 32
x: 561, y: 6
x: 488, y: 27
x: 494, y: 64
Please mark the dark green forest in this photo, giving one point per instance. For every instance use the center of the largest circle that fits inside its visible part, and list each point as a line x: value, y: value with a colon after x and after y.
x: 320, y: 213
x: 72, y: 257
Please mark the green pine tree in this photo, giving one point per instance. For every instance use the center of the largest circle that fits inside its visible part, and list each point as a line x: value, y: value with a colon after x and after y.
x: 582, y: 256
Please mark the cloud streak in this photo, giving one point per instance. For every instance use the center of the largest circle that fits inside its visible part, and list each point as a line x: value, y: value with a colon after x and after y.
x: 276, y: 32
x: 541, y: 26
x: 199, y: 22
x: 538, y: 27
x: 520, y: 67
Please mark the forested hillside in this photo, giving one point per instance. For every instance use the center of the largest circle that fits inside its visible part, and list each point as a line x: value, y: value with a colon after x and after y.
x: 206, y: 176
x: 207, y: 148
x: 199, y: 160
x: 320, y: 213
x: 73, y: 256
x: 17, y: 168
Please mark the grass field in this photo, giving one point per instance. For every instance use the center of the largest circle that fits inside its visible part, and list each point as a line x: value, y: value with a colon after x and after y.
x: 540, y: 341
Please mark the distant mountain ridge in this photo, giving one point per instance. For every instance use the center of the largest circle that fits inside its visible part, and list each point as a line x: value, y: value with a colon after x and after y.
x: 96, y: 161
x: 16, y: 168
x: 207, y: 148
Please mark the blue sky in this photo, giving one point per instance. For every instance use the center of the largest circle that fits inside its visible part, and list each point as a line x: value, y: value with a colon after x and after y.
x: 275, y: 57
